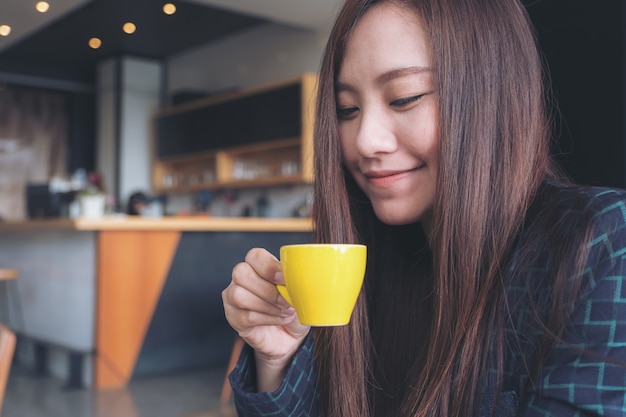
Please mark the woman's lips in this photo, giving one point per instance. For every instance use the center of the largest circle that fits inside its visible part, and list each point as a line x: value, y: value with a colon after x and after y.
x: 387, y: 178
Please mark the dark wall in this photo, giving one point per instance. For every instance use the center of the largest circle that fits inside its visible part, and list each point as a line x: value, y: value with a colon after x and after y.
x: 81, y: 143
x: 188, y: 328
x: 583, y: 43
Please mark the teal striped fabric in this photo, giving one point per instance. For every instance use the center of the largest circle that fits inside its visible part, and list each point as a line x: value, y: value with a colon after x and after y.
x: 297, y: 395
x: 571, y: 382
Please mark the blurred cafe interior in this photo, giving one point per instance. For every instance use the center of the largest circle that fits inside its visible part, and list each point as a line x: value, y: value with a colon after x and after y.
x: 146, y: 145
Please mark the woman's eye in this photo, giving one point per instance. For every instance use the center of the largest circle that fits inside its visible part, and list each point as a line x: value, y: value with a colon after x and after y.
x: 404, y: 101
x: 346, y: 112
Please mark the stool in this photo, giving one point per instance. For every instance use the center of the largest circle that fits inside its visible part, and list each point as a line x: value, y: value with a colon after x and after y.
x: 8, y: 276
x: 7, y: 349
x: 9, y: 273
x: 227, y: 390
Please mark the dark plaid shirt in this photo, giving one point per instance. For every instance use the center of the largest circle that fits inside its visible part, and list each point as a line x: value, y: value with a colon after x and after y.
x: 570, y: 382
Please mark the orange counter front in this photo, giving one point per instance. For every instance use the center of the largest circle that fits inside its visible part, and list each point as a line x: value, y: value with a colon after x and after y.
x: 156, y: 285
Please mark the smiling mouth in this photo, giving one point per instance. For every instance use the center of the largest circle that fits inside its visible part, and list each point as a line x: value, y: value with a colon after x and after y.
x: 386, y: 178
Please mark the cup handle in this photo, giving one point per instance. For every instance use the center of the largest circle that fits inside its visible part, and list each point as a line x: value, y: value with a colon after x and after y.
x: 283, y: 291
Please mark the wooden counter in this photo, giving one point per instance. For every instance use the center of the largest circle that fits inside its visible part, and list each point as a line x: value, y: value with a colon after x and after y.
x: 138, y: 295
x: 179, y: 223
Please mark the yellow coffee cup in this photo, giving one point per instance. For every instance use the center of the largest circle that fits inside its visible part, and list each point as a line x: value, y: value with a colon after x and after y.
x: 322, y: 281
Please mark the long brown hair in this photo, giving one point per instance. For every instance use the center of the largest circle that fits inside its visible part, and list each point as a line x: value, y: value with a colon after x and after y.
x: 493, y: 159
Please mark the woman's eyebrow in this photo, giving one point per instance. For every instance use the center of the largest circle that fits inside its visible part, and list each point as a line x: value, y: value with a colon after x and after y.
x: 400, y: 72
x: 339, y: 87
x: 386, y: 77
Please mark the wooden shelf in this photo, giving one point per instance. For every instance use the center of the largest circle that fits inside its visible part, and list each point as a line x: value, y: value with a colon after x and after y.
x: 186, y: 160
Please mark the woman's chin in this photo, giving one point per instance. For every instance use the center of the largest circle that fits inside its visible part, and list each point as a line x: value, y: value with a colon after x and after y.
x: 396, y: 218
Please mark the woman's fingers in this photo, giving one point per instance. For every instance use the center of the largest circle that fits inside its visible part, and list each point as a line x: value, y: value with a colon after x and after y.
x: 252, y: 299
x: 264, y: 263
x: 255, y: 309
x: 246, y: 312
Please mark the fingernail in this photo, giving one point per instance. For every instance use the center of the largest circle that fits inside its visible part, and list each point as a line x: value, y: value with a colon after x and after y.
x: 288, y: 312
x: 278, y: 278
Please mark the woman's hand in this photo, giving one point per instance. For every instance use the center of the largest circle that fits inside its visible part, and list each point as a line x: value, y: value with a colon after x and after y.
x: 258, y: 313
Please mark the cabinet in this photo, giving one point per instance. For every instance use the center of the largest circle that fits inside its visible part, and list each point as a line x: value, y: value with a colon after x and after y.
x: 257, y: 137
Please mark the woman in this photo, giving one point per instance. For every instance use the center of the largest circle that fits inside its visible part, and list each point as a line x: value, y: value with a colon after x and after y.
x: 493, y: 286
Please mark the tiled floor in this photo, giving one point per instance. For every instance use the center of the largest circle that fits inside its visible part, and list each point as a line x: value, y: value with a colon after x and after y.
x: 186, y: 394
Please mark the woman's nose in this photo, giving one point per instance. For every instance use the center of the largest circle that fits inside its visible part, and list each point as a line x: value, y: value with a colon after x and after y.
x: 375, y: 135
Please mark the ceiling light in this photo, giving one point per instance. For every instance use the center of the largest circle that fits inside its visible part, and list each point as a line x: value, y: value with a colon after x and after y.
x: 129, y: 27
x: 169, y: 8
x: 42, y: 6
x: 5, y: 30
x: 95, y: 43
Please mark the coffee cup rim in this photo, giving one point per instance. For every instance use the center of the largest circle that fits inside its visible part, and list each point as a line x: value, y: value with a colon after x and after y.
x: 323, y: 245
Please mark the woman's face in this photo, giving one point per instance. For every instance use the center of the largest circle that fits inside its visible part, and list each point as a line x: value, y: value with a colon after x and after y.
x: 387, y: 113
